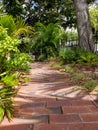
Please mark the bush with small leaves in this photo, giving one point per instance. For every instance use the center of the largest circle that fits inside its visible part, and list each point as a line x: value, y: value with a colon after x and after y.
x: 12, y: 64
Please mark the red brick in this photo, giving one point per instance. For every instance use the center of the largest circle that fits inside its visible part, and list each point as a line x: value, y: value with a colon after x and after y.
x: 58, y: 103
x: 75, y: 109
x: 32, y: 104
x: 89, y: 117
x: 44, y: 99
x: 20, y: 112
x: 36, y: 118
x: 41, y: 119
x: 64, y: 118
x: 40, y: 111
x: 81, y: 103
x: 17, y: 127
x: 83, y: 126
x: 93, y: 108
x: 55, y: 110
x: 50, y: 127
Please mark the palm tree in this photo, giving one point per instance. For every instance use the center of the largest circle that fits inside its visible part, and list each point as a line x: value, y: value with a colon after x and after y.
x: 15, y: 26
x: 47, y: 38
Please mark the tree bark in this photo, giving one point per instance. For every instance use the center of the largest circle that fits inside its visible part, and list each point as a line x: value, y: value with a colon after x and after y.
x: 84, y: 25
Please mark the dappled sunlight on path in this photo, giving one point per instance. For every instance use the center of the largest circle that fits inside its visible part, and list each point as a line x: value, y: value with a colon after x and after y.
x: 51, y: 102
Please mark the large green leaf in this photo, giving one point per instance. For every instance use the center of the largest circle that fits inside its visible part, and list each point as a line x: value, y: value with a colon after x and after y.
x: 1, y: 113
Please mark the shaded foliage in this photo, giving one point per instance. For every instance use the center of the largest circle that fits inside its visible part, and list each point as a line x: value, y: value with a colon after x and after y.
x: 46, y: 40
x: 13, y: 7
x: 43, y: 11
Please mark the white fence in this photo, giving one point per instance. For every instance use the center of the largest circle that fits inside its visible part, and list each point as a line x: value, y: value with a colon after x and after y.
x: 75, y: 43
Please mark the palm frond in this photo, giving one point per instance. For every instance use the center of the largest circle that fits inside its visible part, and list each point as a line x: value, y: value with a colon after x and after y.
x: 15, y: 26
x: 7, y: 21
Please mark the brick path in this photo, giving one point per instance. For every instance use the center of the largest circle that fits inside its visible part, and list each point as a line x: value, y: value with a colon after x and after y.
x: 51, y: 102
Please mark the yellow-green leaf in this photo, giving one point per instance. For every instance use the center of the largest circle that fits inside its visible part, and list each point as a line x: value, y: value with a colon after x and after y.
x: 1, y: 114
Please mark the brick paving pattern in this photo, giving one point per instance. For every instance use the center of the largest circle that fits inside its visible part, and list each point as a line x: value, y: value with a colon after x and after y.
x: 50, y: 102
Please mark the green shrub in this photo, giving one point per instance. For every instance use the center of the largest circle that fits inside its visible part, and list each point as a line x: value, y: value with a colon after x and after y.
x: 12, y: 64
x: 69, y: 69
x: 10, y: 80
x: 41, y: 57
x: 90, y: 85
x: 10, y: 56
x: 20, y: 61
x: 78, y: 78
x: 89, y: 58
x: 67, y: 55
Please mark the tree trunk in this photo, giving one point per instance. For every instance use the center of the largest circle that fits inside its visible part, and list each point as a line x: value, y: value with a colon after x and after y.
x: 83, y: 25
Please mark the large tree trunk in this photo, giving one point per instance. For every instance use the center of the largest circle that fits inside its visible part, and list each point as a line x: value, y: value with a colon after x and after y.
x: 83, y: 25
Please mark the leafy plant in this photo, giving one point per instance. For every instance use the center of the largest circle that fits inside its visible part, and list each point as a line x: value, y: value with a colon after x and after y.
x: 41, y: 57
x: 78, y: 78
x: 12, y: 64
x: 8, y: 47
x: 67, y: 55
x: 20, y: 61
x: 26, y: 44
x: 90, y: 85
x: 46, y: 39
x: 15, y: 26
x: 94, y: 16
x: 11, y: 57
x: 10, y: 80
x: 89, y: 58
x: 1, y: 113
x: 6, y: 102
x: 69, y: 69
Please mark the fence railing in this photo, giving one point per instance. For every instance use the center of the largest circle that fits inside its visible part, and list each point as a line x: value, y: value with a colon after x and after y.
x: 71, y: 43
x: 74, y: 43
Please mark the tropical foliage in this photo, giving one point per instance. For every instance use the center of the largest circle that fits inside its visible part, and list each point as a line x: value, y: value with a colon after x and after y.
x: 13, y: 7
x: 71, y: 55
x: 46, y: 40
x: 12, y: 64
x: 6, y: 102
x: 94, y: 16
x: 15, y: 26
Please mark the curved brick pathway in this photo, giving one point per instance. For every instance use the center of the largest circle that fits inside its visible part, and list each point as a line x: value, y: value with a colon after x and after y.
x: 50, y: 102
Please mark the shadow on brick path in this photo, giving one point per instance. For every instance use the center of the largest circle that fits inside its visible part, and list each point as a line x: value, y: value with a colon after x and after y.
x: 51, y: 102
